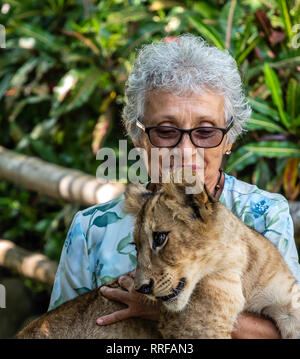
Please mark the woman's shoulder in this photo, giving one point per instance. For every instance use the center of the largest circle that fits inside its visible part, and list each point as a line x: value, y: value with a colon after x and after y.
x: 240, y: 189
x: 238, y: 196
x: 114, y: 205
x: 102, y: 217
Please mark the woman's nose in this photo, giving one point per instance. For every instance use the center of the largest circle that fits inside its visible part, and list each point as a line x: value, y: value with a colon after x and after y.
x: 186, y: 142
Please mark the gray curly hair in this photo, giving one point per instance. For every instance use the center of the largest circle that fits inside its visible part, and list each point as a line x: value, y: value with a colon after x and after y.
x: 185, y: 64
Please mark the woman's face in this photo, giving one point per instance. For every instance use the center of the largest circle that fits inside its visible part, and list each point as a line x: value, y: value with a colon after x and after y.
x: 162, y: 108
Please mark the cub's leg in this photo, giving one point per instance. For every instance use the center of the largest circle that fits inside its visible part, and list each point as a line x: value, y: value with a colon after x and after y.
x: 280, y: 300
x: 211, y: 312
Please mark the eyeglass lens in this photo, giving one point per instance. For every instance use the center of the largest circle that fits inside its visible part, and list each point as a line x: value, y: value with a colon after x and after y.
x: 168, y: 137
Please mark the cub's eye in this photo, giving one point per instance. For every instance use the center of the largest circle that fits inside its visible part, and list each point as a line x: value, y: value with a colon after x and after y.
x: 159, y: 238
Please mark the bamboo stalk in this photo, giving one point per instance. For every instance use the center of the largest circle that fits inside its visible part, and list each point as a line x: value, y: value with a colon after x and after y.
x: 30, y: 265
x: 55, y: 181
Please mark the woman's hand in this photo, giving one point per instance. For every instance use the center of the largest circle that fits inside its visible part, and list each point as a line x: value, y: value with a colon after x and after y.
x: 251, y: 326
x: 248, y: 326
x: 137, y: 305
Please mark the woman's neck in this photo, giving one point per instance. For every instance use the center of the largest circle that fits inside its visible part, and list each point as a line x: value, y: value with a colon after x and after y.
x: 211, y: 183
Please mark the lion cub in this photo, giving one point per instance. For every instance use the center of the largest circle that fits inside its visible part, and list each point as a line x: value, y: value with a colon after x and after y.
x: 200, y: 261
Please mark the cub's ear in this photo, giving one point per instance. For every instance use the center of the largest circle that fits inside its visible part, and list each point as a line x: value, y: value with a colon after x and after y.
x: 189, y: 192
x: 204, y: 197
x: 135, y: 197
x: 183, y: 182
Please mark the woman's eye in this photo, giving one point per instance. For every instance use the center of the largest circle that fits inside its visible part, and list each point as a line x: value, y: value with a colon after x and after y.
x: 204, y: 133
x: 165, y: 132
x: 159, y: 239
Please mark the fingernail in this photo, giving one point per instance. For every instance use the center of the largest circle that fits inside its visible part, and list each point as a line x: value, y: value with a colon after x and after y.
x: 102, y: 289
x: 100, y: 321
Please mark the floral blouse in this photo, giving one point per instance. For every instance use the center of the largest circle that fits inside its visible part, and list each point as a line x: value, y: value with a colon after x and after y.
x: 97, y: 248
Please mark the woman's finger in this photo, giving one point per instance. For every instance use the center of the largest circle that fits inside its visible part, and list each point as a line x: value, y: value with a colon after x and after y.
x: 118, y: 295
x: 126, y: 282
x: 132, y: 273
x: 114, y: 317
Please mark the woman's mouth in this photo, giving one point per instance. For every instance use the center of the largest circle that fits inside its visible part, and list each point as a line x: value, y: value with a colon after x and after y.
x: 194, y: 167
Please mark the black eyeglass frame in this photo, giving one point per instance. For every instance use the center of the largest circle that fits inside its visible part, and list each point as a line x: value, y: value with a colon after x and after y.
x: 183, y: 131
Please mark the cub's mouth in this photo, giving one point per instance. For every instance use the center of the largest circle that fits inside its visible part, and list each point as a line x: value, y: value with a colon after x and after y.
x: 175, y: 291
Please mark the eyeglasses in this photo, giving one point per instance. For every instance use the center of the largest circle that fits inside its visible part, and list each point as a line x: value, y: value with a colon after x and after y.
x: 169, y: 136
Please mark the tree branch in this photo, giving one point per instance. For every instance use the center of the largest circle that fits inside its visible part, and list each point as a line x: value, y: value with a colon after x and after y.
x: 31, y: 265
x: 55, y: 181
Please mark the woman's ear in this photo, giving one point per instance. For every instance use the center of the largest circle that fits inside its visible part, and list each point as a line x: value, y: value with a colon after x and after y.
x: 135, y: 197
x: 227, y: 148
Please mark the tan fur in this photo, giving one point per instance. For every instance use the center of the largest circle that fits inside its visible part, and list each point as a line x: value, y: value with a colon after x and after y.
x: 228, y: 268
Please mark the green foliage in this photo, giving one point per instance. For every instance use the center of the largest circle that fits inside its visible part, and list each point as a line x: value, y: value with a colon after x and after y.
x: 62, y: 79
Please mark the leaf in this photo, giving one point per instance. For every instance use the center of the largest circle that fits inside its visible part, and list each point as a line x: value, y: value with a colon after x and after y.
x: 283, y: 60
x: 264, y: 108
x: 284, y: 244
x: 273, y: 149
x: 43, y: 128
x: 245, y: 36
x: 44, y: 38
x: 4, y: 84
x: 231, y: 16
x: 44, y: 151
x: 275, y: 218
x: 243, y: 55
x: 102, y: 207
x: 82, y: 290
x: 206, y: 10
x: 85, y: 82
x: 143, y: 33
x: 261, y: 175
x: 124, y: 243
x: 240, y: 159
x: 296, y: 122
x: 106, y: 219
x: 284, y: 11
x: 21, y: 75
x: 133, y: 259
x: 260, y: 122
x: 207, y: 31
x: 130, y: 13
x: 293, y: 98
x: 237, y: 13
x: 248, y: 219
x: 290, y: 175
x: 28, y: 100
x: 65, y: 84
x: 276, y: 92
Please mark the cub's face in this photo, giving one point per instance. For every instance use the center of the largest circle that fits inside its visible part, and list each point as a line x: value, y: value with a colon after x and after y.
x: 169, y: 236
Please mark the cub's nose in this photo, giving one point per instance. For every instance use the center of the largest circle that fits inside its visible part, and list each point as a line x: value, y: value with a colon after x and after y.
x: 146, y: 288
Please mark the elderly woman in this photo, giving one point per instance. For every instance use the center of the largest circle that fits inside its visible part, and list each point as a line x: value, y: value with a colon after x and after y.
x: 180, y: 94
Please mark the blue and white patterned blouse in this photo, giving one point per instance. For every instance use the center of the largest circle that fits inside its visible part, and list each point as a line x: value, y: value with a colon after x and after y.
x: 97, y: 248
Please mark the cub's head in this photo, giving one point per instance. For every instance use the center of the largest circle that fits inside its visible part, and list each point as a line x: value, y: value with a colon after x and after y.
x: 171, y: 235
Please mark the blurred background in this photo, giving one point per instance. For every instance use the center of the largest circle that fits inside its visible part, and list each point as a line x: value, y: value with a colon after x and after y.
x: 62, y: 76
